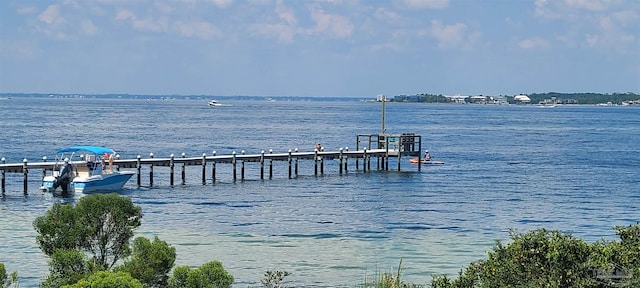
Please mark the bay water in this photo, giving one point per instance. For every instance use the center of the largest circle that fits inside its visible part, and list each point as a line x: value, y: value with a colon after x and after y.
x: 571, y: 168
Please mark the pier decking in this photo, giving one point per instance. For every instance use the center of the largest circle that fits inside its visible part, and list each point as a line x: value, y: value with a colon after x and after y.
x: 380, y: 147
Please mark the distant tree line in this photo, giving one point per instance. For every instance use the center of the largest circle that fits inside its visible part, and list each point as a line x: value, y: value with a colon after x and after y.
x: 586, y: 98
x: 571, y: 98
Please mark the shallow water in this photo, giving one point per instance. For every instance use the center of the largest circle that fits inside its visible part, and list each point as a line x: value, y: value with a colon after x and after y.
x: 572, y: 168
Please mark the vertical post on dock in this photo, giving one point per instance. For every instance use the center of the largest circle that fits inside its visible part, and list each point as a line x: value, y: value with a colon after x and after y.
x: 213, y: 168
x: 4, y: 179
x: 184, y: 170
x: 44, y: 170
x: 289, y: 160
x: 233, y: 164
x: 296, y: 163
x: 386, y: 156
x: 420, y: 151
x: 204, y: 169
x: 25, y: 172
x: 262, y: 165
x: 399, y: 155
x: 340, y: 157
x: 151, y: 171
x: 242, y: 168
x: 139, y: 167
x: 270, y: 164
x: 315, y: 162
x: 171, y: 165
x: 364, y: 159
x: 322, y: 162
x: 346, y: 160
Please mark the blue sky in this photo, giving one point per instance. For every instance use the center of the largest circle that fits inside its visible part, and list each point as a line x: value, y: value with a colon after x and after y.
x: 319, y: 48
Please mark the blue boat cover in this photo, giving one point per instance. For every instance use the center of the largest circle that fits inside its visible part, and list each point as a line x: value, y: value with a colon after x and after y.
x: 93, y: 149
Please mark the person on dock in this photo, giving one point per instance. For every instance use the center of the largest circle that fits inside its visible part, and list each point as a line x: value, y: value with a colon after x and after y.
x: 318, y: 147
x: 427, y: 156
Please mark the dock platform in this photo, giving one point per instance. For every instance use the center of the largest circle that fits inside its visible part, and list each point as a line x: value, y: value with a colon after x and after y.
x: 380, y: 147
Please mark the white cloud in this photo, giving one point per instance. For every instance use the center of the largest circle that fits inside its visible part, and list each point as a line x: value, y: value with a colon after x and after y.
x: 222, y: 3
x: 285, y: 13
x: 51, y: 15
x: 124, y: 15
x: 202, y: 30
x: 88, y: 28
x: 448, y: 36
x: 387, y: 15
x: 284, y: 33
x: 335, y: 25
x: 593, y: 23
x: 593, y: 5
x: 422, y: 4
x: 533, y: 43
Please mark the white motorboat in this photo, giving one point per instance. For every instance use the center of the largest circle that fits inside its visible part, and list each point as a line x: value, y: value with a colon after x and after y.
x: 216, y: 103
x: 90, y: 173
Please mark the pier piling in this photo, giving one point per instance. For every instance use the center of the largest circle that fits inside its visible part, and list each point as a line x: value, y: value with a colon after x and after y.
x: 242, y: 168
x: 25, y: 172
x: 184, y: 171
x: 151, y: 171
x: 171, y: 167
x: 233, y: 163
x: 3, y: 178
x: 270, y: 165
x: 204, y: 169
x: 213, y: 168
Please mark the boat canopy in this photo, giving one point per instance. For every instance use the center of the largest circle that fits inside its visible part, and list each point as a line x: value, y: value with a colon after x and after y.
x: 93, y: 149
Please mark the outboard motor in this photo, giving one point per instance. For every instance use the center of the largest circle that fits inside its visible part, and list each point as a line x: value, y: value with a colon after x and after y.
x: 64, y: 178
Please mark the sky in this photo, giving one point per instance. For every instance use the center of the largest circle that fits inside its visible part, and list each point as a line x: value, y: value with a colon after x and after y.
x: 319, y: 48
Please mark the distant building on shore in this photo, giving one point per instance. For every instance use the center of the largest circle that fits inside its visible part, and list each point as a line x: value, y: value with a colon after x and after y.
x: 522, y: 99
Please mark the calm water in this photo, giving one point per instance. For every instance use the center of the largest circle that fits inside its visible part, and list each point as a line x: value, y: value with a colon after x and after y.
x: 572, y: 168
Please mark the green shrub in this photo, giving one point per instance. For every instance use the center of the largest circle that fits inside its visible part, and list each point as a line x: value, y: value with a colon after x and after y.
x: 107, y: 279
x: 209, y: 275
x: 390, y: 280
x: 273, y: 279
x: 542, y: 258
x: 150, y: 262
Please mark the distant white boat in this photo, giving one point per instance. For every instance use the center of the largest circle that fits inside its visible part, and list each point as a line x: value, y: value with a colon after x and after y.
x: 216, y: 103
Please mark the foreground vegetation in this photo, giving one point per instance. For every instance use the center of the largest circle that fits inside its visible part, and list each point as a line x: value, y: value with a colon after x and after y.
x: 89, y: 245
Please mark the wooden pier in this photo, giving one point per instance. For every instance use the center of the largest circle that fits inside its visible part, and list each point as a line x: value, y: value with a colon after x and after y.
x: 380, y: 147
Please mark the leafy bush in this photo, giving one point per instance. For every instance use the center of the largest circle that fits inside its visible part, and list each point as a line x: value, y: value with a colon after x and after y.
x: 8, y: 280
x: 544, y: 258
x: 273, y: 279
x: 390, y: 280
x: 68, y: 267
x: 107, y: 279
x: 150, y: 262
x: 100, y: 225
